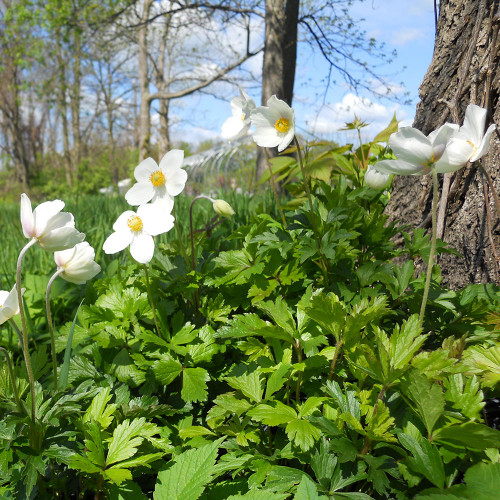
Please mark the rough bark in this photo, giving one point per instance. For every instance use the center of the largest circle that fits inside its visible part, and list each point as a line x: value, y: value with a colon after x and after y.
x: 465, y: 69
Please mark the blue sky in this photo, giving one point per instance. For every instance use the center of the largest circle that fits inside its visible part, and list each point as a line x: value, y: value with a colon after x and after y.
x: 407, y: 26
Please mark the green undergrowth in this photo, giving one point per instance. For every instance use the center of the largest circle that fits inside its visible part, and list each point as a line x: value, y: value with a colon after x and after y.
x: 281, y: 369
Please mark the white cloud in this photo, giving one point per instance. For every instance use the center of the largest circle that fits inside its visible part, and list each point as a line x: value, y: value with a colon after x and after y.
x: 333, y: 117
x: 405, y: 35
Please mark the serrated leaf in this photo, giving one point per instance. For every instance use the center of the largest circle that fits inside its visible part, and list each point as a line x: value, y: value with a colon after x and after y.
x: 303, y: 433
x: 250, y: 384
x: 275, y: 413
x: 482, y: 480
x: 306, y: 490
x: 250, y: 324
x: 328, y: 312
x: 127, y: 437
x: 428, y: 398
x: 117, y: 476
x: 189, y: 475
x: 277, y: 379
x: 405, y: 341
x: 194, y: 384
x: 127, y: 491
x: 384, y: 135
x: 426, y: 459
x: 166, y: 370
x: 471, y: 435
x: 99, y: 410
x: 465, y: 394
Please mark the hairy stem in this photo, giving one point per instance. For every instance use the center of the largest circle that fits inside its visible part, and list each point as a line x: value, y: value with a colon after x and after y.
x: 335, y: 358
x: 51, y: 326
x: 430, y: 263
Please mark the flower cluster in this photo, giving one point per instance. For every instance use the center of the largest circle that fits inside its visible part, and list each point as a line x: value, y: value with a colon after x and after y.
x: 154, y: 193
x: 446, y: 149
x: 274, y: 123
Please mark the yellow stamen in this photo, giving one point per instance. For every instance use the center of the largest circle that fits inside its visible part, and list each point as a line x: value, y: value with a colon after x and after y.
x: 282, y: 125
x: 157, y: 178
x: 135, y: 223
x: 243, y: 116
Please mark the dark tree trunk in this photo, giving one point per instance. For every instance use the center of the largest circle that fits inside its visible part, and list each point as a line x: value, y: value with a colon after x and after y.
x: 465, y: 69
x: 280, y: 56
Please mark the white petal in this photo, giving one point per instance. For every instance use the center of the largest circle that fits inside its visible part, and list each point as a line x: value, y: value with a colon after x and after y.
x: 175, y: 181
x: 375, y: 179
x: 121, y: 223
x: 400, y: 167
x: 81, y: 274
x: 164, y: 202
x: 27, y: 219
x: 62, y: 257
x: 142, y: 247
x: 456, y: 155
x: 232, y: 127
x: 474, y: 122
x: 140, y: 193
x: 117, y: 241
x: 144, y: 170
x: 155, y: 219
x: 12, y: 302
x: 410, y: 145
x: 3, y: 296
x: 62, y: 219
x: 485, y: 144
x: 266, y: 139
x: 440, y: 138
x: 172, y: 161
x: 61, y: 239
x: 286, y: 140
x: 44, y: 212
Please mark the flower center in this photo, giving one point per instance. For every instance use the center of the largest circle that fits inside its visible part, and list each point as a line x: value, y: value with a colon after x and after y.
x: 243, y: 116
x: 282, y: 125
x: 135, y: 223
x: 157, y: 178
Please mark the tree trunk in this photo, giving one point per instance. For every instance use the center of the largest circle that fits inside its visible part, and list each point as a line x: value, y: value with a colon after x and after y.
x: 280, y: 55
x: 465, y: 69
x: 145, y: 103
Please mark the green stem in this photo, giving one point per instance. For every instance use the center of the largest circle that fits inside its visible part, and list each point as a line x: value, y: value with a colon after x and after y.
x: 16, y: 329
x: 12, y: 379
x: 195, y: 199
x: 335, y: 358
x: 151, y: 301
x: 179, y: 235
x: 51, y: 326
x: 299, y: 377
x: 324, y: 268
x: 24, y: 331
x: 275, y: 190
x: 430, y: 263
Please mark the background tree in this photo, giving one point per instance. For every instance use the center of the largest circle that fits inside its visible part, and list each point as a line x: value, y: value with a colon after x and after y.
x: 465, y: 69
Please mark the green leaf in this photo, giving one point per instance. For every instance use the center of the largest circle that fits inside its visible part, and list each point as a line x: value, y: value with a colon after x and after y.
x: 99, y: 410
x: 117, y: 476
x: 428, y: 398
x: 470, y: 435
x: 127, y: 437
x: 249, y: 383
x: 194, y: 384
x: 306, y: 490
x: 251, y: 324
x: 384, y: 135
x: 281, y: 315
x: 465, y: 394
x: 405, y: 342
x: 126, y: 491
x: 277, y: 379
x: 63, y: 374
x: 482, y: 480
x: 189, y: 475
x: 303, y: 433
x: 275, y: 413
x: 328, y: 312
x: 426, y: 459
x: 166, y: 370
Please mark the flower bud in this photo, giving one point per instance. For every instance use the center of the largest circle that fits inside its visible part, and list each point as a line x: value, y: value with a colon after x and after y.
x: 375, y: 179
x: 223, y: 208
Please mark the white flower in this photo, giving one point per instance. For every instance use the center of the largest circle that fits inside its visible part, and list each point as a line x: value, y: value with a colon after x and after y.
x: 375, y: 179
x: 137, y: 230
x: 416, y: 152
x: 158, y: 183
x: 9, y: 305
x: 123, y: 185
x: 223, y: 208
x: 237, y: 126
x: 470, y: 143
x: 78, y: 263
x: 54, y: 230
x: 274, y: 124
